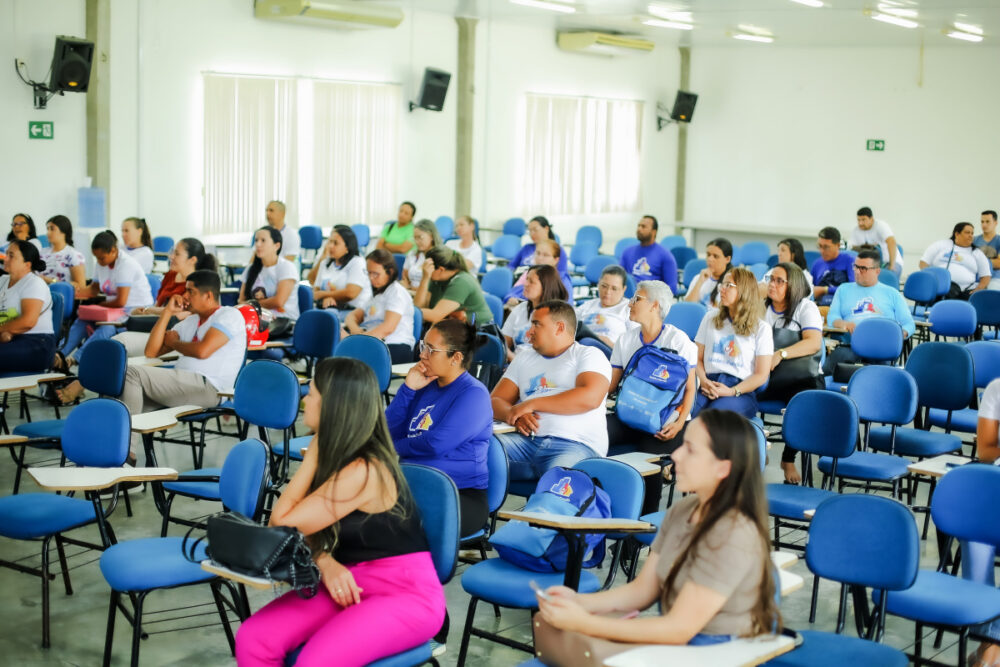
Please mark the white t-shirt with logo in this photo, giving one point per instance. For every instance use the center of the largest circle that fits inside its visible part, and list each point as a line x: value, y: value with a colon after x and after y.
x: 59, y: 263
x: 269, y: 277
x: 806, y: 316
x: 877, y: 235
x: 331, y: 277
x: 474, y: 253
x: 536, y: 375
x: 966, y: 265
x: 413, y: 267
x: 291, y: 245
x: 517, y: 323
x: 28, y: 287
x: 610, y: 322
x: 705, y: 293
x: 142, y: 254
x: 394, y: 299
x: 222, y: 367
x: 989, y: 405
x: 728, y: 352
x: 126, y: 273
x: 670, y: 338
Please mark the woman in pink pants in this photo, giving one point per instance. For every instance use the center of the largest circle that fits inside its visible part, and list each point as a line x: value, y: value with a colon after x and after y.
x: 381, y: 594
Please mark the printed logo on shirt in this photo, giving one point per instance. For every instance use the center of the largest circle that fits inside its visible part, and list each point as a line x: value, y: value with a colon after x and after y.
x: 958, y: 258
x: 371, y: 310
x: 726, y: 347
x: 641, y: 268
x: 562, y: 488
x: 661, y: 373
x: 539, y: 383
x: 596, y: 319
x: 107, y: 288
x: 865, y: 306
x: 422, y: 421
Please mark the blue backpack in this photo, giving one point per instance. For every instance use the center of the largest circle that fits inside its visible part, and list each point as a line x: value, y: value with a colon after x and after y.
x: 652, y: 388
x: 559, y: 491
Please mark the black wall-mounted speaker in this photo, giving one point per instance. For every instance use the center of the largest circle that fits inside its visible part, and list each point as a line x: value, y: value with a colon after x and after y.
x: 683, y: 106
x: 433, y: 89
x: 71, y: 65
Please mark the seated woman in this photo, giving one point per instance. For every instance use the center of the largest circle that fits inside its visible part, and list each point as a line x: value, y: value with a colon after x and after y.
x: 441, y: 416
x: 607, y: 317
x: 467, y: 243
x: 447, y: 289
x: 705, y: 288
x: 539, y: 229
x: 271, y: 280
x: 340, y: 279
x: 122, y: 282
x: 389, y: 315
x: 547, y: 253
x: 22, y: 228
x: 137, y: 242
x: 63, y: 262
x: 27, y: 340
x: 708, y: 567
x: 425, y: 237
x: 541, y: 284
x: 380, y: 593
x: 790, y: 251
x: 797, y: 331
x: 734, y: 348
x: 970, y: 270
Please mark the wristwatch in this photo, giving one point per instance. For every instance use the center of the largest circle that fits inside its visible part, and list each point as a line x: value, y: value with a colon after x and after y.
x: 737, y: 393
x: 784, y: 353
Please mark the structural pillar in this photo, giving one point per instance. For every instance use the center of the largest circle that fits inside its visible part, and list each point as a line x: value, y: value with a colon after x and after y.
x: 99, y: 94
x: 464, y: 99
x: 682, y: 134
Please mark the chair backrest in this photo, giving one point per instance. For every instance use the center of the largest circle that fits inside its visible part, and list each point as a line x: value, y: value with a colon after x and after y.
x: 624, y: 244
x: 97, y: 433
x: 630, y: 286
x: 492, y: 352
x: 437, y: 501
x: 155, y: 282
x: 162, y: 244
x: 498, y: 282
x: 944, y: 375
x: 244, y: 478
x: 363, y: 234
x: 683, y: 254
x: 515, y: 227
x: 371, y: 351
x: 507, y: 246
x: 864, y: 540
x: 759, y: 269
x: 304, y: 293
x: 686, y: 316
x: 400, y: 260
x: 593, y: 342
x: 673, y: 241
x: 758, y: 429
x: 498, y: 467
x: 884, y: 394
x: 445, y: 226
x: 691, y: 270
x: 583, y: 252
x: 812, y: 256
x: 622, y: 482
x: 311, y: 237
x: 589, y: 234
x: 58, y: 311
x: 267, y: 394
x: 317, y: 333
x: 102, y: 367
x: 953, y: 317
x: 821, y: 422
x: 920, y: 287
x: 496, y: 306
x: 772, y: 261
x: 889, y: 278
x: 877, y: 339
x: 959, y: 499
x: 943, y: 278
x: 985, y: 361
x: 755, y: 252
x: 737, y: 259
x: 68, y: 295
x: 593, y: 268
x: 418, y: 324
x: 987, y: 305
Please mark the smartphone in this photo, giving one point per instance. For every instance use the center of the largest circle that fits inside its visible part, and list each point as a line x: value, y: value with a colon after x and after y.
x: 950, y: 465
x: 538, y: 590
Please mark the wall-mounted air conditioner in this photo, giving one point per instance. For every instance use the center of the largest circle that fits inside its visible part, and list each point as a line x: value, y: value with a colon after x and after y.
x: 603, y: 43
x: 342, y: 14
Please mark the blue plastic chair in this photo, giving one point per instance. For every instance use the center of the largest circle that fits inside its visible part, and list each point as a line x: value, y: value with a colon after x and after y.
x: 514, y: 227
x: 583, y: 252
x: 506, y: 247
x: 758, y: 269
x: 889, y: 278
x: 876, y: 340
x: 400, y: 261
x: 589, y: 234
x: 445, y: 226
x: 310, y: 241
x: 500, y: 583
x: 953, y: 318
x: 673, y: 241
x: 162, y: 245
x: 772, y: 261
x: 155, y: 282
x: 624, y: 244
x: 938, y: 599
x: 630, y: 286
x: 68, y: 294
x: 304, y: 294
x: 136, y: 568
x: 921, y: 289
x: 363, y: 234
x: 593, y: 269
x: 491, y: 352
x: 754, y: 252
x: 686, y: 316
x: 496, y: 494
x: 495, y: 304
x: 498, y: 282
x: 593, y: 342
x: 371, y: 351
x: 97, y: 435
x: 683, y: 255
x: 943, y: 278
x: 788, y: 503
x: 987, y: 305
x: 986, y: 368
x: 691, y: 270
x: 861, y: 542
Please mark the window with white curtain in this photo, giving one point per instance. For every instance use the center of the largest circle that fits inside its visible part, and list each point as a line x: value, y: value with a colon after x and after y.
x: 581, y: 155
x: 329, y: 150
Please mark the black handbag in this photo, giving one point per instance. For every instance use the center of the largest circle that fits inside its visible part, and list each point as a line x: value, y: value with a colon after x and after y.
x: 792, y: 371
x: 275, y: 553
x: 145, y: 323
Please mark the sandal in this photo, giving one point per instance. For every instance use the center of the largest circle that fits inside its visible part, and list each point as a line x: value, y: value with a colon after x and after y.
x: 60, y: 363
x: 69, y: 394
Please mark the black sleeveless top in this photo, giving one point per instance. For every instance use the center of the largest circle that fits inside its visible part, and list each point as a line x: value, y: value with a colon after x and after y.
x: 364, y: 537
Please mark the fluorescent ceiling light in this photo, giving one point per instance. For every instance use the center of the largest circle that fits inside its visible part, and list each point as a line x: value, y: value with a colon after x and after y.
x: 967, y: 36
x: 546, y: 4
x: 810, y: 3
x: 753, y: 38
x: 895, y: 20
x: 660, y: 23
x: 669, y: 13
x: 968, y: 27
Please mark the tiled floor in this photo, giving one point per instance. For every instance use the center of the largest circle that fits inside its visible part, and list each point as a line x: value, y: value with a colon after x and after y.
x: 79, y: 620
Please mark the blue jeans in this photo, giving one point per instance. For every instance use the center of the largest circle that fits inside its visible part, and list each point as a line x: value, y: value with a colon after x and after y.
x: 77, y: 335
x: 745, y: 404
x: 530, y: 457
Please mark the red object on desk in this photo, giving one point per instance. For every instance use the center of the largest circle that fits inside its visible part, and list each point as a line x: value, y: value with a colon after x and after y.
x: 94, y: 313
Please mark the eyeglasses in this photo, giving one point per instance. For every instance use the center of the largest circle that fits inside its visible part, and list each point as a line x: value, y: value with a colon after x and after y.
x: 775, y: 280
x: 635, y: 299
x: 727, y: 286
x: 18, y: 224
x: 427, y: 349
x: 376, y: 274
x: 864, y: 269
x: 609, y: 286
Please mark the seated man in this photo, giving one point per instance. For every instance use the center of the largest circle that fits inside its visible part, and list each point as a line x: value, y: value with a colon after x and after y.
x: 212, y: 345
x: 865, y: 298
x: 554, y: 394
x: 649, y: 260
x: 833, y: 269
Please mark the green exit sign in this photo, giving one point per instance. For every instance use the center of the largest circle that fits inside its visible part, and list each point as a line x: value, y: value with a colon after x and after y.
x: 876, y: 145
x: 40, y: 129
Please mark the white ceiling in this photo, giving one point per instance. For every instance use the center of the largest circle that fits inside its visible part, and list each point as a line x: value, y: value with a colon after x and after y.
x: 837, y: 23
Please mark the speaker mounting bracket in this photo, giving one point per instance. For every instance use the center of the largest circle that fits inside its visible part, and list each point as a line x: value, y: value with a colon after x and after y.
x: 40, y: 92
x: 413, y: 105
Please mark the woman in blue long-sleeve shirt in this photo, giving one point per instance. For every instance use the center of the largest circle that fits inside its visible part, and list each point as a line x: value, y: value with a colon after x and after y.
x: 442, y: 417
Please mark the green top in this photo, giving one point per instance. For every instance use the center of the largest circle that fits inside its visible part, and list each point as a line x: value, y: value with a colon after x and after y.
x: 462, y: 288
x: 396, y: 233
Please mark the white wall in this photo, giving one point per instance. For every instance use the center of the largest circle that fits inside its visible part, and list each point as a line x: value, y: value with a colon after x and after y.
x: 778, y: 138
x: 39, y: 177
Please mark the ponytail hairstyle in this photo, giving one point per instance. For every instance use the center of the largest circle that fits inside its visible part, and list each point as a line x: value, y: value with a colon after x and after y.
x: 257, y: 264
x: 726, y: 248
x: 203, y: 260
x: 461, y: 338
x: 30, y: 254
x: 472, y: 223
x: 544, y: 222
x: 105, y: 241
x: 384, y: 258
x: 445, y: 258
x: 62, y: 223
x: 428, y: 227
x: 350, y: 240
x: 797, y: 251
x: 140, y: 224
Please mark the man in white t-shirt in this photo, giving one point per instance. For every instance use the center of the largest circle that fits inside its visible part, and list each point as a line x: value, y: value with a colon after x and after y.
x: 212, y: 343
x: 554, y: 394
x: 877, y: 232
x: 290, y: 243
